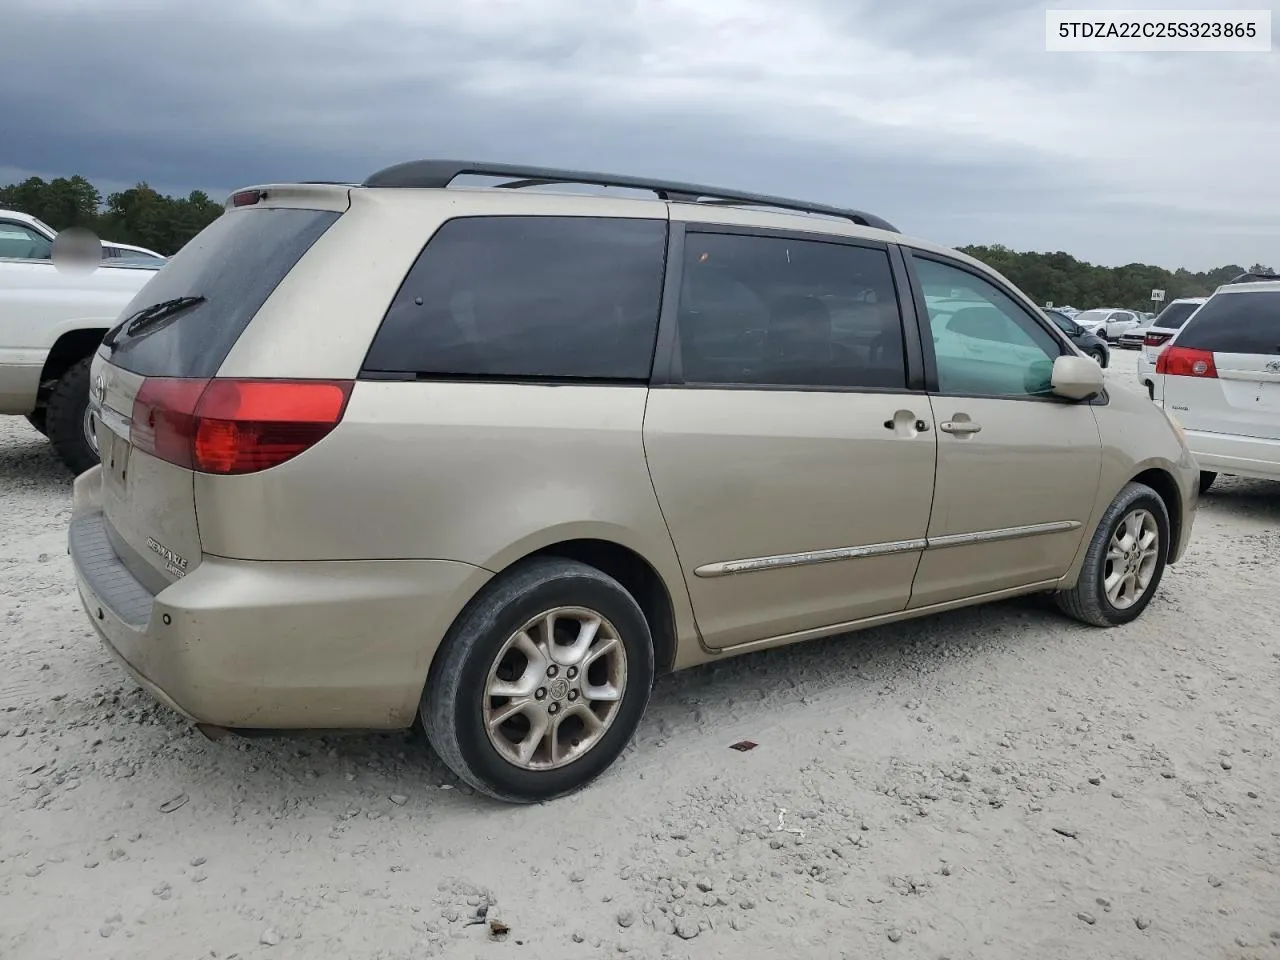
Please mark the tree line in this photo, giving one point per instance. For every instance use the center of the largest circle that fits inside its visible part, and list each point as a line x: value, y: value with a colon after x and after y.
x: 146, y: 218
x: 140, y: 215
x: 1062, y: 279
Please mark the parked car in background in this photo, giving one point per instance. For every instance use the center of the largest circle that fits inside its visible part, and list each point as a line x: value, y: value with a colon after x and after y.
x: 1156, y: 336
x: 51, y: 322
x: 1132, y: 338
x: 1107, y: 323
x: 1089, y: 343
x: 577, y: 441
x: 1219, y: 376
x: 124, y: 251
x: 24, y: 237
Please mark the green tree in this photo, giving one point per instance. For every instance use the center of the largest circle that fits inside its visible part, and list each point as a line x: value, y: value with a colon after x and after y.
x: 1061, y: 278
x: 61, y: 203
x: 140, y: 215
x: 147, y: 218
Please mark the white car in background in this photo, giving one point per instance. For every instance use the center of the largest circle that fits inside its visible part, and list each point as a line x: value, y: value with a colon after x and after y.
x: 51, y: 323
x: 1219, y: 377
x: 24, y: 237
x: 1157, y: 334
x: 112, y: 251
x: 1108, y: 323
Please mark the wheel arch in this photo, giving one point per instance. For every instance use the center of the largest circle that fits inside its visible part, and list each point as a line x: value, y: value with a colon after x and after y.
x: 638, y: 577
x: 646, y: 565
x: 71, y: 347
x: 1166, y: 487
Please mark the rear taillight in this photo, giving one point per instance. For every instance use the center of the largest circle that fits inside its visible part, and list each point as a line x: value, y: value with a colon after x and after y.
x: 1156, y: 339
x: 247, y: 198
x: 235, y: 426
x: 1178, y: 361
x: 164, y: 418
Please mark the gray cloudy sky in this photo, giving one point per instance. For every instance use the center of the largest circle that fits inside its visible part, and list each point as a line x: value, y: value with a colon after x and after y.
x: 945, y: 116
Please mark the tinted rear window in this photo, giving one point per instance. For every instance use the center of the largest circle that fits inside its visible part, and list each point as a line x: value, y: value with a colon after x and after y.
x: 1174, y: 315
x: 234, y: 264
x: 1236, y: 323
x: 555, y: 298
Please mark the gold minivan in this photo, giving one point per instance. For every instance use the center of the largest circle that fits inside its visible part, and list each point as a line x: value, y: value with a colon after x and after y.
x: 494, y: 457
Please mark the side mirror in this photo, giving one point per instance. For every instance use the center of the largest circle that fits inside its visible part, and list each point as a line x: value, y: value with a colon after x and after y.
x: 1076, y: 378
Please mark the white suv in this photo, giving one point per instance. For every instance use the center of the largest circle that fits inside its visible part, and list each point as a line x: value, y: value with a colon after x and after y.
x: 1219, y: 377
x: 1108, y: 323
x: 1157, y: 336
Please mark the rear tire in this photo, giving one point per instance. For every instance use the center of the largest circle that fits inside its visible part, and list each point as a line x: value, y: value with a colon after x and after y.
x: 1133, y: 568
x: 1206, y: 480
x: 459, y: 711
x: 65, y: 418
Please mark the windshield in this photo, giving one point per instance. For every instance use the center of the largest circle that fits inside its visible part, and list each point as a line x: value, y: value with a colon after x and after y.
x: 1175, y: 315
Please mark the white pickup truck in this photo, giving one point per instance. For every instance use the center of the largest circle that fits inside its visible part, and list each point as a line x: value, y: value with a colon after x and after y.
x: 51, y: 322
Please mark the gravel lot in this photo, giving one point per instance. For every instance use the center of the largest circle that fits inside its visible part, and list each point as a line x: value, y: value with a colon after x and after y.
x: 995, y: 783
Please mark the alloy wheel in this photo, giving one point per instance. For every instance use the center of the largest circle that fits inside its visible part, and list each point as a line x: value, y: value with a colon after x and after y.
x: 554, y: 688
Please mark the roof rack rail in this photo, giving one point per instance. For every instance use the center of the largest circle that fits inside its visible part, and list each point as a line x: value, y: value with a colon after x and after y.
x: 441, y: 173
x: 1254, y: 278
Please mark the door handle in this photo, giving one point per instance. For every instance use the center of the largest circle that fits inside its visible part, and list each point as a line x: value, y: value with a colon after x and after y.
x: 960, y: 427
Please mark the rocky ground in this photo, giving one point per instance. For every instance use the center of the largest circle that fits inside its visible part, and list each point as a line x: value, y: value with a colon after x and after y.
x: 997, y: 783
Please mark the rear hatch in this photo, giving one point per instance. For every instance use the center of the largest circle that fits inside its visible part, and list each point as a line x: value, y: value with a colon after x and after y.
x: 161, y: 414
x: 1222, y: 372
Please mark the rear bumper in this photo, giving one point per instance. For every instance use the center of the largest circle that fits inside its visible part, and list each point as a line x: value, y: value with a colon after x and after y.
x: 297, y: 645
x: 1240, y: 456
x: 20, y: 380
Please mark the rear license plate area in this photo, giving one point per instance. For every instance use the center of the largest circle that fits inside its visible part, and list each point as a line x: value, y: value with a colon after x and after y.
x: 114, y: 454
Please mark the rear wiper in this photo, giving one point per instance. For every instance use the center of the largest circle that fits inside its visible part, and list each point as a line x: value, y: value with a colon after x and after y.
x: 149, y: 317
x: 153, y: 314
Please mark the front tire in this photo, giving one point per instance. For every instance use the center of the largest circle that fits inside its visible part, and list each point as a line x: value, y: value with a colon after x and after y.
x: 1124, y: 563
x: 541, y: 681
x: 1100, y: 357
x: 66, y: 417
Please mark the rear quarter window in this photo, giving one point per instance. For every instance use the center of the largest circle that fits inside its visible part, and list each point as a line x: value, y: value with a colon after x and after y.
x: 1236, y: 323
x: 540, y: 298
x: 234, y: 264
